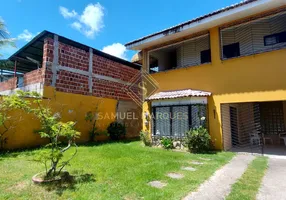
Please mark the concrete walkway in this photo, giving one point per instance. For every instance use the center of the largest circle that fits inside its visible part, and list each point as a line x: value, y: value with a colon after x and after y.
x: 274, y: 182
x: 219, y: 185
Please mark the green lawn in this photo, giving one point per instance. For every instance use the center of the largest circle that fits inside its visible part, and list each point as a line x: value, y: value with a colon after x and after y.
x: 248, y: 185
x: 109, y: 171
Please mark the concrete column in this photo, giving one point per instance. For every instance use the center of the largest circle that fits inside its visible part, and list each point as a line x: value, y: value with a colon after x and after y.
x: 90, y: 70
x: 215, y: 45
x: 145, y: 61
x: 55, y: 60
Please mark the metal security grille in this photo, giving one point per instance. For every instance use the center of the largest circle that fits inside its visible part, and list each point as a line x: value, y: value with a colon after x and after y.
x: 176, y: 120
x: 187, y: 53
x: 262, y: 35
x: 163, y: 122
x: 180, y: 120
x: 190, y: 53
x: 241, y: 127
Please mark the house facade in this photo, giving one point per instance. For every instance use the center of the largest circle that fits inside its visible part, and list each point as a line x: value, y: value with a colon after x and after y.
x: 73, y: 79
x: 227, y: 66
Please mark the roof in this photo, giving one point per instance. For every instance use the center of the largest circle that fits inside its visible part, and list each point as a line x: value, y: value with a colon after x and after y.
x: 244, y: 8
x: 179, y: 94
x: 34, y: 50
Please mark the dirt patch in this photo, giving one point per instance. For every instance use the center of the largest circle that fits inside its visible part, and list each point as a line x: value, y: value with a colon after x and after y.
x: 18, y: 186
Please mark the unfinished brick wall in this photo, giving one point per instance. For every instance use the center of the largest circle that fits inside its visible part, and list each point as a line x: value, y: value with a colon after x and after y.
x: 35, y: 76
x: 72, y: 83
x: 73, y: 74
x: 10, y: 84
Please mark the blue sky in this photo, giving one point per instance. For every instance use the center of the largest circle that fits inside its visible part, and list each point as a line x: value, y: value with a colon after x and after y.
x: 105, y: 25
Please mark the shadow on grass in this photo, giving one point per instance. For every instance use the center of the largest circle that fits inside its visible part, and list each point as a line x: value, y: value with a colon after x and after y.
x: 18, y: 152
x: 99, y: 143
x: 68, y: 183
x: 32, y: 151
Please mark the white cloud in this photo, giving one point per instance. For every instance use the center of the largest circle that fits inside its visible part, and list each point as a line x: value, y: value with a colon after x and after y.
x: 76, y: 25
x: 6, y: 51
x: 26, y: 36
x: 89, y: 22
x: 66, y: 13
x: 116, y: 49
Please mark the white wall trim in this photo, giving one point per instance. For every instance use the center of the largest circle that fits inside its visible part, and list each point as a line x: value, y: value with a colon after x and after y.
x: 180, y: 101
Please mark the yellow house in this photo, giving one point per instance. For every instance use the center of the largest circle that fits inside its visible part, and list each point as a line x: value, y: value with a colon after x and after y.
x: 230, y: 64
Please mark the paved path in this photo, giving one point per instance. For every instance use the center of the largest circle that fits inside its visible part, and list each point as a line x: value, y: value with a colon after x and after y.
x: 219, y: 185
x: 273, y: 185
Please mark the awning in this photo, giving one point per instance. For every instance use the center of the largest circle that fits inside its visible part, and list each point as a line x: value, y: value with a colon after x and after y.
x: 179, y: 94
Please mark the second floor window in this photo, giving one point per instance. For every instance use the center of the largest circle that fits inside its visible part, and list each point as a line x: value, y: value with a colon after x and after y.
x: 275, y: 39
x: 261, y: 35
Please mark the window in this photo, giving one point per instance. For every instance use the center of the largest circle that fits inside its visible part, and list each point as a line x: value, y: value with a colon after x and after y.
x: 206, y: 56
x: 176, y: 120
x: 231, y: 50
x: 274, y: 39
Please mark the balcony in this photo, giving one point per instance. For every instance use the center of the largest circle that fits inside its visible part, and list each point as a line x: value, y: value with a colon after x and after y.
x: 192, y: 52
x: 254, y: 37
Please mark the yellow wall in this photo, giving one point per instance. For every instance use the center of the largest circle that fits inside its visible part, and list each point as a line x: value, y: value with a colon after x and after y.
x: 72, y: 107
x: 258, y: 77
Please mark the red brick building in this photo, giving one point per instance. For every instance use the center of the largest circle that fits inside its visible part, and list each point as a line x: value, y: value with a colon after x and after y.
x: 72, y: 74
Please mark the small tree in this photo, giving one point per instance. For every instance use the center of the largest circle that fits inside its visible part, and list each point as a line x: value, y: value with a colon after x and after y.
x: 53, y: 129
x: 8, y: 121
x: 56, y: 151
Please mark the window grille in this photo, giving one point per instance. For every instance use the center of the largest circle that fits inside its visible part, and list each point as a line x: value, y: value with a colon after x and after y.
x: 162, y: 122
x: 254, y: 37
x: 176, y: 120
x: 192, y: 52
x: 180, y: 120
x: 189, y: 53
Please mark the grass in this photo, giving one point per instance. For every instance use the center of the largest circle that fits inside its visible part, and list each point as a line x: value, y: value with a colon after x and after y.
x: 109, y: 171
x: 248, y: 185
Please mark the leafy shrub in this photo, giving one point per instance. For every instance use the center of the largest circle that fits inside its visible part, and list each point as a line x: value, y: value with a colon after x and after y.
x: 167, y: 143
x: 145, y: 138
x: 198, y: 140
x: 116, y: 130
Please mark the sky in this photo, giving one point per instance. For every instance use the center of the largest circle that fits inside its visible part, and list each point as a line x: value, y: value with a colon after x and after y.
x: 102, y: 24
